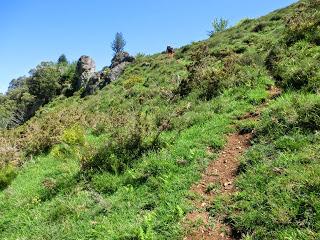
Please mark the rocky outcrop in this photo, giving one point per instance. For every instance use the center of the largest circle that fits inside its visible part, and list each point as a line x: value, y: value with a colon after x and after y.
x: 118, y: 64
x: 86, y: 68
x: 121, y: 57
x: 93, y: 81
x: 96, y: 82
x: 116, y: 71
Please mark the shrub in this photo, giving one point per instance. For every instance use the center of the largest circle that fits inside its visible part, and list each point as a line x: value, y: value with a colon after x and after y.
x: 204, y: 75
x: 291, y: 113
x: 61, y: 151
x: 299, y: 66
x: 74, y: 136
x: 244, y: 22
x: 7, y: 174
x: 296, y: 67
x: 9, y: 151
x: 276, y: 17
x: 129, y: 141
x: 116, y: 155
x: 106, y: 183
x: 309, y: 115
x: 41, y: 133
x: 304, y: 23
x: 132, y: 81
x: 259, y: 27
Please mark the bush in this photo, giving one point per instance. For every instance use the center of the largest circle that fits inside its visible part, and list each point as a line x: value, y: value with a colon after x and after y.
x: 296, y: 67
x: 128, y: 143
x: 204, y: 75
x: 132, y: 81
x: 41, y: 133
x: 304, y: 23
x: 74, y: 136
x: 106, y: 183
x: 291, y: 113
x: 116, y: 155
x: 210, y: 75
x: 299, y: 66
x: 259, y: 27
x: 9, y: 151
x: 7, y: 174
x: 61, y: 151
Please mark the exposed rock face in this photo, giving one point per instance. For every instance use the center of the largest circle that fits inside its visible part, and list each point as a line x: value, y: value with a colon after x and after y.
x: 97, y: 81
x: 93, y: 81
x: 118, y: 64
x: 116, y: 71
x: 121, y: 57
x: 85, y: 70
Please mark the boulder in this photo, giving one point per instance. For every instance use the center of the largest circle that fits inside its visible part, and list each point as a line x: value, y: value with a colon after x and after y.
x: 116, y: 71
x: 121, y: 57
x: 92, y: 85
x: 96, y: 82
x: 85, y: 70
x: 93, y: 81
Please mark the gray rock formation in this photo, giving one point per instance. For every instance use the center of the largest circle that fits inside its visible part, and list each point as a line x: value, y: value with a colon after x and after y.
x: 116, y: 71
x: 121, y: 57
x: 93, y: 81
x: 85, y: 70
x: 96, y: 82
x: 118, y: 64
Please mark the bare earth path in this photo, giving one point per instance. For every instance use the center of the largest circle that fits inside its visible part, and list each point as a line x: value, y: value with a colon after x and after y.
x: 221, y: 172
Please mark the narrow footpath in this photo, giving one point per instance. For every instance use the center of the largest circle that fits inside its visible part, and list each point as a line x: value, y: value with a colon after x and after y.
x: 222, y: 173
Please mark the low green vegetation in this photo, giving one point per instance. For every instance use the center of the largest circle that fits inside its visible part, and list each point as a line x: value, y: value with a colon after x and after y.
x: 278, y: 194
x: 279, y: 180
x: 119, y: 164
x: 146, y: 193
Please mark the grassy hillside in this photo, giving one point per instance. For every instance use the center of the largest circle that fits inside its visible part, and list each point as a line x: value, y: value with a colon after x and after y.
x: 119, y: 164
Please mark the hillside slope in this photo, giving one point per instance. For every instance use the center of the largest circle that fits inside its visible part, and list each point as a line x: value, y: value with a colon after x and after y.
x: 119, y: 164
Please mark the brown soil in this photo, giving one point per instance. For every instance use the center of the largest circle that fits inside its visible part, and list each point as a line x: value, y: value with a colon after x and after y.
x: 222, y: 172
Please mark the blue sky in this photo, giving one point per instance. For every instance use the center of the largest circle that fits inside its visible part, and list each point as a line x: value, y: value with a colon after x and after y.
x: 32, y: 31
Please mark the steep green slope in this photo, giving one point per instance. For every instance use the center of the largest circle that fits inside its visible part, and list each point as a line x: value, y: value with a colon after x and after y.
x: 119, y: 164
x: 280, y: 179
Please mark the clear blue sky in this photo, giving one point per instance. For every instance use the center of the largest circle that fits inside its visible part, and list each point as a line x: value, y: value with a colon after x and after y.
x: 40, y: 30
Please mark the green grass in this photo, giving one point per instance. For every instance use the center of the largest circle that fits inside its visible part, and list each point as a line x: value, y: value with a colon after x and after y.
x: 146, y: 199
x: 279, y: 181
x: 119, y: 164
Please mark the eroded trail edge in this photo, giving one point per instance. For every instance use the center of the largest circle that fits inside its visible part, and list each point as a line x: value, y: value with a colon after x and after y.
x: 221, y: 174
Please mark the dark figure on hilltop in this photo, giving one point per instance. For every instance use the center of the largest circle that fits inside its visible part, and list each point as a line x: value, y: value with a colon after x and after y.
x: 170, y: 51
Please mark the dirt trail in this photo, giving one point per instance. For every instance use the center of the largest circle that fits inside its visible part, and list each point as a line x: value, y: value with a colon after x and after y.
x: 222, y: 173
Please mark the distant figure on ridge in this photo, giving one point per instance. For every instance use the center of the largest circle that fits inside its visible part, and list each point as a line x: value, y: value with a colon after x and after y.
x: 170, y: 51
